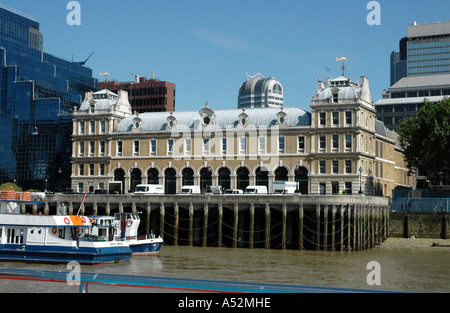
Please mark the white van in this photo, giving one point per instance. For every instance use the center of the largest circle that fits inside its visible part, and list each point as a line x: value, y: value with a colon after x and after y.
x: 149, y: 189
x: 284, y: 187
x: 256, y: 190
x: 189, y: 190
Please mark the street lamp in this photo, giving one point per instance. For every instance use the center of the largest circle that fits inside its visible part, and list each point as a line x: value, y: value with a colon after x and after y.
x: 360, y: 185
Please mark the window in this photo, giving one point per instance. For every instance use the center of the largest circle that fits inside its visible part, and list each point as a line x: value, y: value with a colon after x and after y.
x: 335, y: 167
x: 206, y: 146
x: 322, y: 119
x: 262, y: 144
x: 119, y: 148
x: 348, y: 142
x: 335, y: 187
x: 224, y: 145
x: 92, y: 127
x: 188, y: 146
x: 348, y: 118
x: 81, y: 149
x: 335, y: 118
x: 322, y: 188
x: 102, y: 127
x: 335, y: 97
x: 153, y: 147
x: 170, y: 146
x: 348, y: 167
x: 281, y: 144
x: 301, y: 144
x: 91, y: 170
x: 81, y: 170
x: 322, y: 167
x: 102, y: 148
x: 136, y: 147
x: 82, y: 127
x: 80, y: 187
x: 335, y: 142
x: 91, y: 148
x: 322, y: 142
x: 102, y: 170
x: 242, y: 145
x: 348, y: 188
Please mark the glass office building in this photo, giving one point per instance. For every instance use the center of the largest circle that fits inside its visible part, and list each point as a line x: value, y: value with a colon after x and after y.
x: 38, y: 93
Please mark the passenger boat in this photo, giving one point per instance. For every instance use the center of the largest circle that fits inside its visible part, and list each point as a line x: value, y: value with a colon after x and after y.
x: 124, y: 227
x: 53, y: 238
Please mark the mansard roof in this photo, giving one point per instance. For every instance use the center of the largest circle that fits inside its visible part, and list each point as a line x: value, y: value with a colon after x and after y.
x: 257, y: 117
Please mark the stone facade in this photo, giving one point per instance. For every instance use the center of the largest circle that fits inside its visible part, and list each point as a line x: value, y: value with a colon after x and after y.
x: 339, y: 147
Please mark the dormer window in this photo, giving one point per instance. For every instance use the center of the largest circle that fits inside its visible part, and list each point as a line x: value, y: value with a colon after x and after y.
x: 207, y: 116
x: 137, y: 124
x: 243, y: 119
x: 281, y: 118
x: 335, y: 93
x: 171, y: 121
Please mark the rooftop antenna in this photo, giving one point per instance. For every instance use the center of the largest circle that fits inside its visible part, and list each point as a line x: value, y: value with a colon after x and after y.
x: 343, y: 67
x: 328, y: 73
x: 152, y: 75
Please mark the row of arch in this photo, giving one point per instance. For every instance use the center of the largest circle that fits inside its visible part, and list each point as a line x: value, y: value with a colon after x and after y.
x: 206, y: 176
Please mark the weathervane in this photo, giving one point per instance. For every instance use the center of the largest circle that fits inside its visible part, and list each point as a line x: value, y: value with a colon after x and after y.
x: 343, y: 67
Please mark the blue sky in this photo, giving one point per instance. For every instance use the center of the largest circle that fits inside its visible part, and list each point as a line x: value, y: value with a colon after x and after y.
x: 206, y: 47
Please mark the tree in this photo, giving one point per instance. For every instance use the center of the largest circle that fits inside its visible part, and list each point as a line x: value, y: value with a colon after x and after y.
x: 425, y: 139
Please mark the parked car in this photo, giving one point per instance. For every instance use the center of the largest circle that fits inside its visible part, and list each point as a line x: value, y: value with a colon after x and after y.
x: 233, y: 191
x: 101, y: 192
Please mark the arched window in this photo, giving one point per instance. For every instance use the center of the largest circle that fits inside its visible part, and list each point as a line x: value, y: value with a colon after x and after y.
x: 224, y: 178
x: 242, y: 178
x: 188, y: 177
x: 153, y: 176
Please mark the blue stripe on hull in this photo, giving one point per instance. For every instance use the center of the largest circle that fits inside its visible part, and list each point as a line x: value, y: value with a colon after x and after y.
x: 66, y: 255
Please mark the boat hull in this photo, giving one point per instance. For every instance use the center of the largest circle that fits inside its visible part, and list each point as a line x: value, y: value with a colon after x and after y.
x: 83, y: 255
x: 145, y: 247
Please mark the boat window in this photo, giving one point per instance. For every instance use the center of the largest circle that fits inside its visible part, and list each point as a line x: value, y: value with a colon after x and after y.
x: 61, y: 233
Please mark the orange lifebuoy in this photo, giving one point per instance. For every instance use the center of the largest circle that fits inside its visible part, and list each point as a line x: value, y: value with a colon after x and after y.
x: 54, y: 230
x: 66, y: 220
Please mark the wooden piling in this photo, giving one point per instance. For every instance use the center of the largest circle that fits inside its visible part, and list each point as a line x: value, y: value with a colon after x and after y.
x: 300, y: 227
x: 318, y: 227
x: 235, y: 225
x: 191, y: 224
x: 267, y: 232
x: 162, y: 213
x: 176, y: 213
x: 284, y: 226
x: 333, y: 227
x: 205, y: 224
x: 219, y: 239
x: 252, y: 226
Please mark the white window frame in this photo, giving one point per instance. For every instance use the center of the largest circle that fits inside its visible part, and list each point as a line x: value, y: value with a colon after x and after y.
x: 262, y: 144
x: 301, y: 149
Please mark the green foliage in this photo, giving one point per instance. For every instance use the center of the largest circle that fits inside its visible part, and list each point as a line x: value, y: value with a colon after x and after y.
x: 425, y: 139
x: 10, y: 187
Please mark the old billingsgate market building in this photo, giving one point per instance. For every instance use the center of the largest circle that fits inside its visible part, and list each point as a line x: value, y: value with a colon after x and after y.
x: 339, y: 147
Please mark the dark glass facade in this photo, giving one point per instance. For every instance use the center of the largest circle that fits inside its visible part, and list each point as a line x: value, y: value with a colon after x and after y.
x: 38, y: 92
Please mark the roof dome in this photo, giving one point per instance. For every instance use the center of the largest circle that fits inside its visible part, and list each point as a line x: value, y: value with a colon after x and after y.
x: 103, y: 100
x: 343, y: 86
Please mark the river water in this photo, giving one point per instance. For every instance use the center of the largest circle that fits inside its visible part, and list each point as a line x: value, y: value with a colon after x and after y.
x: 406, y: 270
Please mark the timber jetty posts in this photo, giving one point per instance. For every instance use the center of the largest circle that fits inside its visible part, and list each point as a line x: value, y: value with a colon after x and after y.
x: 297, y: 222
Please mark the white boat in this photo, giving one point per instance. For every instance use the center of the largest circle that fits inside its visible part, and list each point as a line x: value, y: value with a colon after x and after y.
x: 124, y: 227
x: 53, y: 238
